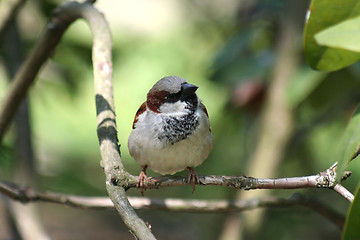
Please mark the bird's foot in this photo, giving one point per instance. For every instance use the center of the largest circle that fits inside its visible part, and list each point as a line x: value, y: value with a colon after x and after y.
x: 142, y: 177
x: 192, y: 177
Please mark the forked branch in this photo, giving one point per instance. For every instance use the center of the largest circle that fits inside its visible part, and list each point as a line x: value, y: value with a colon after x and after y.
x: 27, y: 195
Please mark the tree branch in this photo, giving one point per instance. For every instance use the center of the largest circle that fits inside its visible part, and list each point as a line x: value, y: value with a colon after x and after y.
x: 8, y: 11
x: 106, y: 122
x: 28, y: 71
x: 325, y: 179
x: 344, y: 192
x: 26, y: 195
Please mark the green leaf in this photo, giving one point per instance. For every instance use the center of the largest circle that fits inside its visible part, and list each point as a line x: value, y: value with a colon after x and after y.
x: 322, y: 15
x: 302, y: 84
x: 352, y: 224
x: 350, y: 144
x: 345, y: 35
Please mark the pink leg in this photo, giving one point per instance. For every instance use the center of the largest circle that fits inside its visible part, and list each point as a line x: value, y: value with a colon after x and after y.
x: 142, y: 177
x: 192, y: 177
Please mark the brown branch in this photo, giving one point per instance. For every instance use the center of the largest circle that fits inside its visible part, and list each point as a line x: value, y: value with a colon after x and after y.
x: 62, y: 17
x: 26, y: 195
x: 8, y: 11
x: 218, y: 206
x: 28, y: 71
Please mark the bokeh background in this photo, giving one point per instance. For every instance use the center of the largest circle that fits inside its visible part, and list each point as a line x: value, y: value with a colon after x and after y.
x: 230, y: 49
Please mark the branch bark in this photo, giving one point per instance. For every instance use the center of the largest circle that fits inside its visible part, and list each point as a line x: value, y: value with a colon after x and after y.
x: 8, y: 11
x: 344, y: 192
x: 26, y: 195
x: 325, y: 179
x: 28, y: 71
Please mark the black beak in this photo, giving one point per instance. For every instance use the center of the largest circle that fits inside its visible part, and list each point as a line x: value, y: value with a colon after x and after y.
x: 188, y: 89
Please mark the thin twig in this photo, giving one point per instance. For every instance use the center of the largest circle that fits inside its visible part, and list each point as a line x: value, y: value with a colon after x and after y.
x: 344, y: 192
x: 240, y: 182
x: 26, y: 195
x: 218, y: 206
x: 325, y: 179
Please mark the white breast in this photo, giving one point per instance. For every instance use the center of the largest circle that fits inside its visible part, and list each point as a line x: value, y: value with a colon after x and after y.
x: 162, y: 156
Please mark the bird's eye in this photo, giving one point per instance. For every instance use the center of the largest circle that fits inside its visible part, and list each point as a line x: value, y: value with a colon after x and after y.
x: 170, y: 97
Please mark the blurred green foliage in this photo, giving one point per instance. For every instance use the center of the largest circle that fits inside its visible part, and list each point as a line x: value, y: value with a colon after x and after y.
x: 351, y: 229
x: 331, y: 42
x: 343, y: 35
x: 319, y: 52
x: 349, y: 144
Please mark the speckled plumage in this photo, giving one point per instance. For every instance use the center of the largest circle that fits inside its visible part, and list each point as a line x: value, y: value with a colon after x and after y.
x: 174, y: 133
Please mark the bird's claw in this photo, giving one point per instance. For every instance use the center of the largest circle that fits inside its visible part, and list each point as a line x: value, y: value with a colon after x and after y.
x: 140, y: 182
x: 193, y: 178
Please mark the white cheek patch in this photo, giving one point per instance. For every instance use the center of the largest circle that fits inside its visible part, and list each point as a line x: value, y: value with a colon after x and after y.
x: 176, y: 107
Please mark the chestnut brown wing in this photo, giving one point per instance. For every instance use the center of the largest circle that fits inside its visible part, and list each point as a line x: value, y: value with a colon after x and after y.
x: 141, y: 109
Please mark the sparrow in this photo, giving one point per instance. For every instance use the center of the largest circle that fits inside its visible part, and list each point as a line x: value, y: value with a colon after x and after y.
x: 171, y: 130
